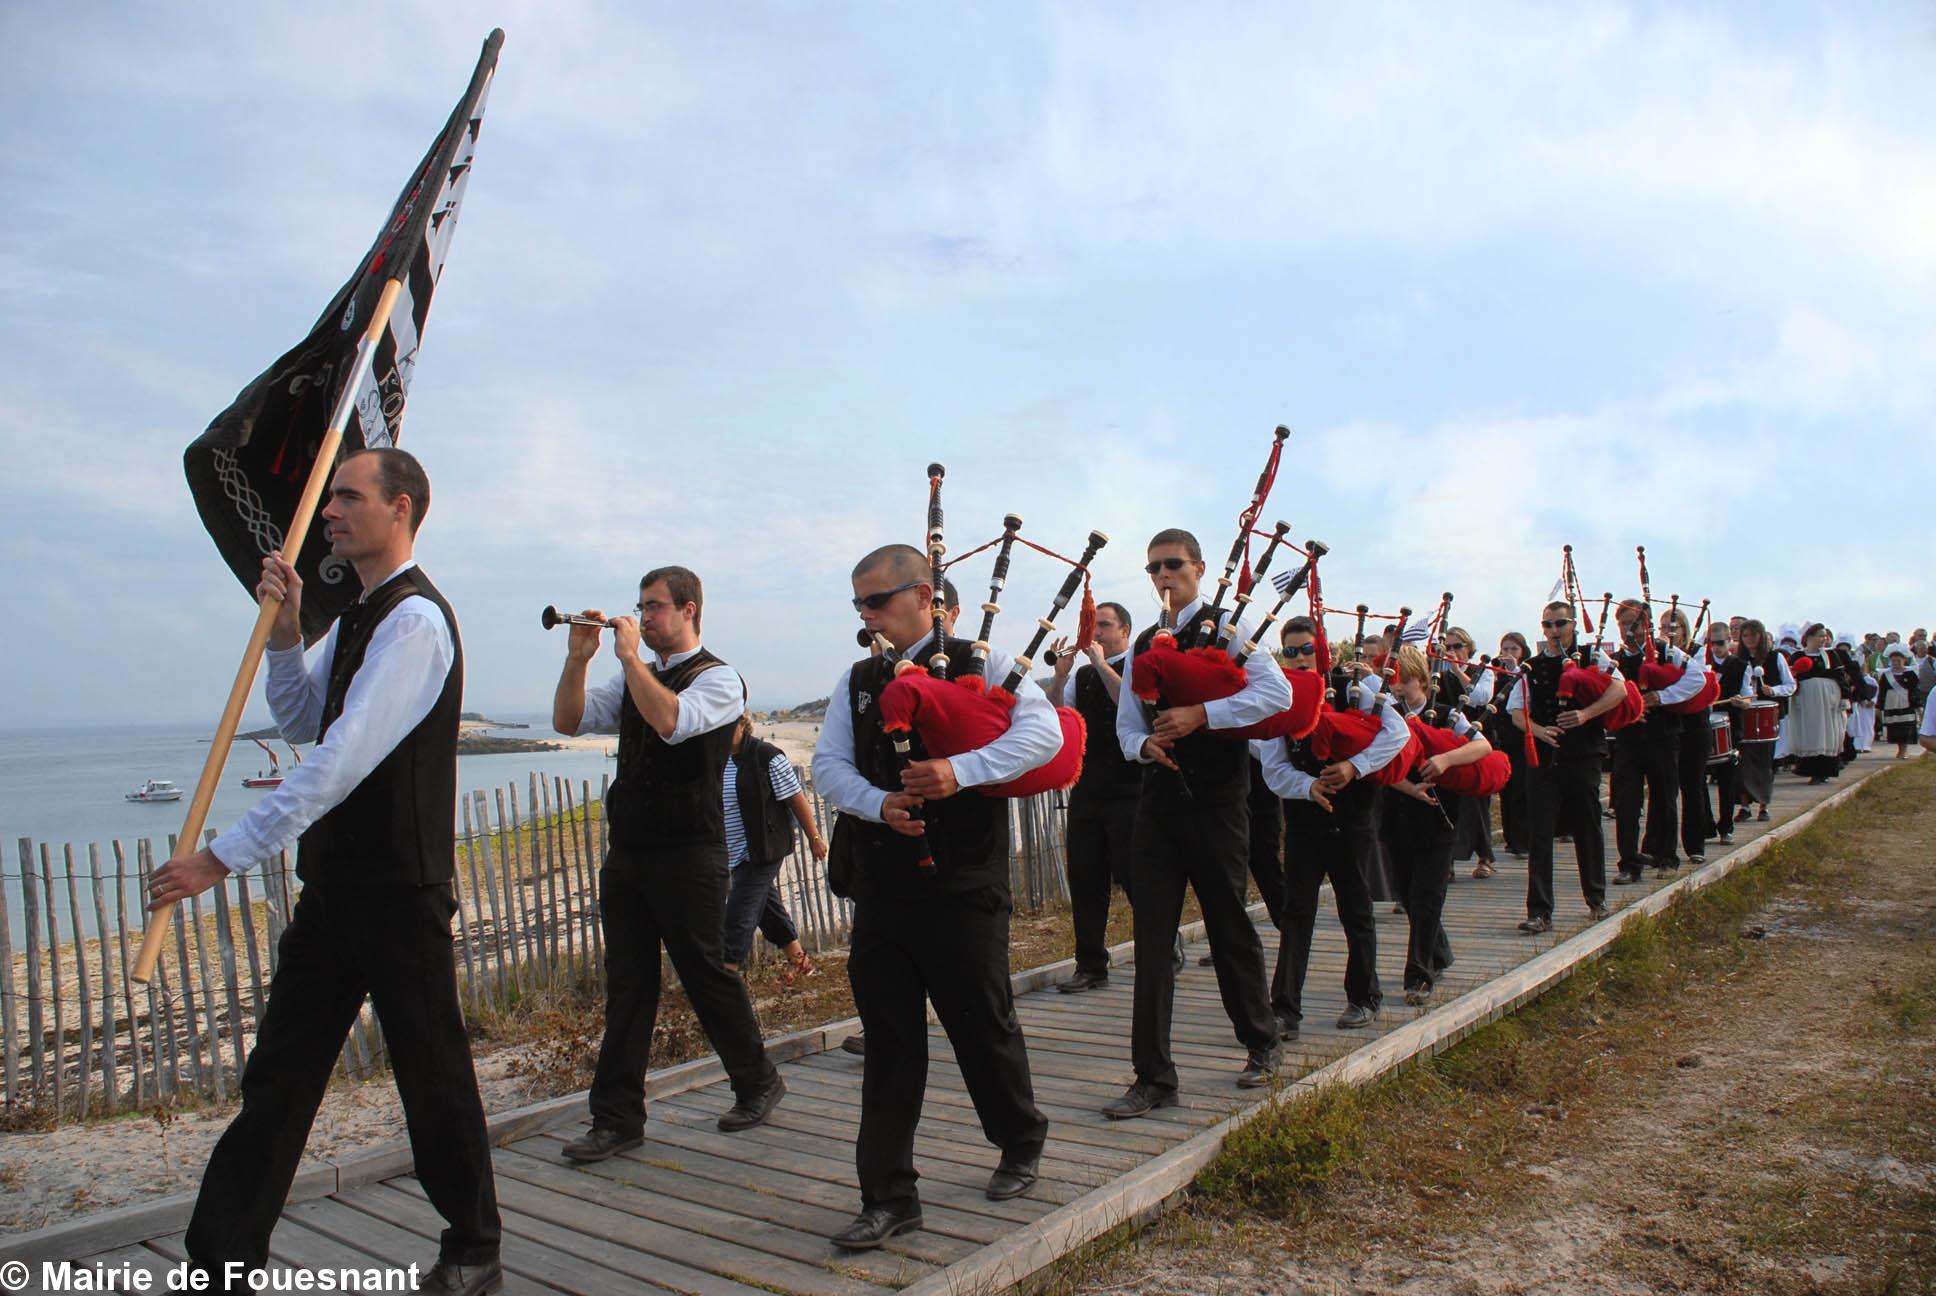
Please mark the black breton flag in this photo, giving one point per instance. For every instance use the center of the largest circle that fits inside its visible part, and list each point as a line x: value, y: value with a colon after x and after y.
x: 248, y: 469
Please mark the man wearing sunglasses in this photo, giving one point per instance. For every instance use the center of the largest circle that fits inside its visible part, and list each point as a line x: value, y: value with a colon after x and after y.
x: 665, y: 880
x: 1565, y: 786
x: 939, y: 934
x: 1193, y: 829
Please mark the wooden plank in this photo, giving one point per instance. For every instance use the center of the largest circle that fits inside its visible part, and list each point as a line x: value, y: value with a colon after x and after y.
x: 110, y: 1072
x: 784, y: 1184
x: 36, y: 989
x: 481, y: 845
x: 9, y: 1010
x: 185, y: 972
x: 245, y: 910
x: 135, y: 1051
x: 397, y: 1246
x: 161, y: 1003
x: 231, y: 978
x: 211, y: 1024
x: 594, y: 929
x: 561, y: 836
x: 558, y: 1257
x: 676, y: 1193
x: 541, y: 854
x: 660, y: 1246
x: 508, y: 854
x: 59, y: 1051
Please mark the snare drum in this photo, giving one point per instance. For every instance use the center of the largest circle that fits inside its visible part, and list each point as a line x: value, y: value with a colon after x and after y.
x: 1720, y: 740
x: 1760, y: 721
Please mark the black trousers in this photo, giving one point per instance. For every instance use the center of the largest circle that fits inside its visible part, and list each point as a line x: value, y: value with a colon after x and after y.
x: 1419, y: 837
x: 1319, y: 846
x: 1473, y: 829
x: 1697, y: 821
x: 1099, y: 837
x: 1265, y: 852
x: 393, y: 944
x: 1512, y: 798
x: 1204, y: 847
x: 952, y: 950
x: 753, y: 904
x: 1564, y: 790
x: 1727, y: 793
x: 676, y: 901
x: 1646, y: 765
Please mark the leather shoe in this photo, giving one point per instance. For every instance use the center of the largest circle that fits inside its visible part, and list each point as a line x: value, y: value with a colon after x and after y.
x: 1083, y: 981
x: 1260, y: 1067
x: 1697, y: 860
x: 876, y: 1225
x: 1596, y: 912
x: 1416, y: 995
x: 596, y: 1144
x: 1356, y: 1017
x: 1013, y: 1178
x: 855, y: 1044
x: 1628, y: 878
x: 1286, y: 1029
x: 753, y: 1109
x: 463, y: 1280
x: 1534, y: 926
x: 1139, y: 1100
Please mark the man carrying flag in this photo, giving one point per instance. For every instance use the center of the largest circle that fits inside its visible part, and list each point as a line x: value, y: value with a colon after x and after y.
x: 372, y: 806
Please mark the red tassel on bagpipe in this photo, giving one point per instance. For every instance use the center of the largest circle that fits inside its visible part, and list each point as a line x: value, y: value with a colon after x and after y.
x: 951, y: 719
x: 1086, y: 617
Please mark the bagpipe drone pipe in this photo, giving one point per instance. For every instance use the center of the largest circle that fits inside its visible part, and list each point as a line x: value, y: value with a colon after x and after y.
x: 949, y: 714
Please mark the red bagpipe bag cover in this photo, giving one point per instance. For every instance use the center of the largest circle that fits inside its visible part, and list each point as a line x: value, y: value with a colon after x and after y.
x: 1585, y: 685
x: 1482, y: 778
x: 1340, y: 735
x: 955, y: 716
x: 1655, y: 676
x: 1171, y: 677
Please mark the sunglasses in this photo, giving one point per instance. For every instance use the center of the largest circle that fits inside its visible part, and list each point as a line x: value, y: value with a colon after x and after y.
x: 1300, y: 650
x: 875, y: 602
x: 1165, y: 564
x: 1556, y: 625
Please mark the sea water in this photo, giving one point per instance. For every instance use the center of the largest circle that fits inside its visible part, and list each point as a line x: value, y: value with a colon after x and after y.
x: 67, y: 786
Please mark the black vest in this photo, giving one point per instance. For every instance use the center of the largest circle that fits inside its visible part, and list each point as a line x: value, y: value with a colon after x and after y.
x: 668, y: 794
x: 1543, y: 687
x: 1107, y: 775
x: 1216, y: 769
x: 1657, y: 723
x: 765, y: 818
x: 396, y: 827
x: 967, y: 832
x: 1351, y: 805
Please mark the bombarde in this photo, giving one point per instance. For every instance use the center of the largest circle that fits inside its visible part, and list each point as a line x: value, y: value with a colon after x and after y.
x: 551, y: 618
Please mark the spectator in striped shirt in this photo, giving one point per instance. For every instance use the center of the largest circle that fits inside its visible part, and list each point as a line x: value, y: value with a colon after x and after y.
x: 763, y: 800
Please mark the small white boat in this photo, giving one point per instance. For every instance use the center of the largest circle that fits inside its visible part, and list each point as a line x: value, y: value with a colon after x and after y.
x: 156, y: 790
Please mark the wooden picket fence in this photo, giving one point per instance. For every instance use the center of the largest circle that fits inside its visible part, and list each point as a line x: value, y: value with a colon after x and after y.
x: 79, y: 1039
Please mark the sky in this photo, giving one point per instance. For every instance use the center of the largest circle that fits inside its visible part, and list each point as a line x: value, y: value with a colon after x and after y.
x: 727, y: 277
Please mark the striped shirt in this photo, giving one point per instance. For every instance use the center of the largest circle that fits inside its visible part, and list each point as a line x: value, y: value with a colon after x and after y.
x: 786, y: 784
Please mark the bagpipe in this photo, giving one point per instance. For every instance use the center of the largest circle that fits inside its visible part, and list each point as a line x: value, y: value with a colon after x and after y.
x: 1170, y: 673
x: 1344, y: 731
x: 952, y: 713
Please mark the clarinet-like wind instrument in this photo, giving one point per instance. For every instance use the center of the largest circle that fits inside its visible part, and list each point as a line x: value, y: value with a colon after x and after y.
x: 1011, y: 524
x: 1070, y: 584
x: 1313, y: 550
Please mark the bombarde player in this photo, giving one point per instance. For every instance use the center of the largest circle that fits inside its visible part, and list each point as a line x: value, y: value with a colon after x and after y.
x: 664, y: 881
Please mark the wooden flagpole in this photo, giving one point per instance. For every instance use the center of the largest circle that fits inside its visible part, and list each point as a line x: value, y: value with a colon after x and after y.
x: 292, y: 542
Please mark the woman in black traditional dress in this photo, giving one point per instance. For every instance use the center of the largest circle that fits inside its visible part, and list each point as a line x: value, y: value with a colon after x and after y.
x: 1767, y: 679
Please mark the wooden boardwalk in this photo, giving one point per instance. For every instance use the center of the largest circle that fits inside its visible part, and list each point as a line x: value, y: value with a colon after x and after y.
x: 697, y: 1211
